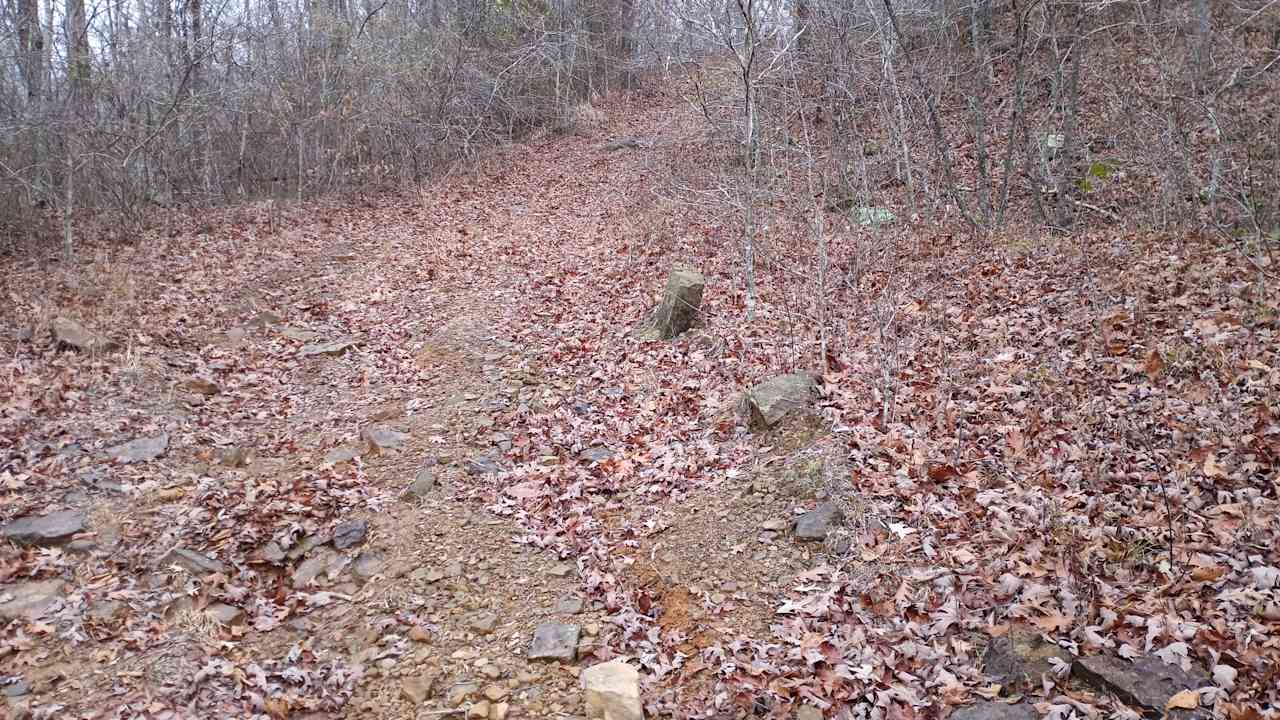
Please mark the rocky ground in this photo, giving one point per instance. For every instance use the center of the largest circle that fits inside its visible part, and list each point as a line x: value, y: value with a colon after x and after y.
x: 426, y: 456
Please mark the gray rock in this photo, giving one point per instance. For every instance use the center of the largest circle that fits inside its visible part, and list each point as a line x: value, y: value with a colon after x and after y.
x: 234, y: 457
x: 325, y: 562
x: 272, y: 553
x: 767, y: 404
x: 482, y: 624
x: 193, y: 562
x: 483, y: 465
x: 1146, y: 682
x: 367, y: 564
x: 459, y: 692
x: 596, y: 454
x: 333, y: 348
x: 338, y: 456
x: 569, y: 605
x: 140, y: 450
x: 28, y: 600
x: 416, y: 688
x: 106, y: 611
x: 380, y: 438
x: 306, y: 545
x: 815, y: 524
x: 48, y: 529
x: 225, y: 614
x: 297, y: 333
x: 15, y: 688
x: 422, y: 485
x: 992, y: 710
x: 1021, y: 657
x: 679, y: 307
x: 82, y: 547
x: 69, y: 333
x: 554, y: 641
x: 350, y: 534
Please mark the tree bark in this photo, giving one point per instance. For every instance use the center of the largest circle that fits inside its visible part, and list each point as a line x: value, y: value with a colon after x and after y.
x: 78, y: 52
x: 30, y: 47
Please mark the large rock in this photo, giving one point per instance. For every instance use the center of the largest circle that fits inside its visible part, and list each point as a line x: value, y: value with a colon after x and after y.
x: 1147, y: 682
x: 28, y: 600
x: 679, y: 307
x: 612, y: 691
x: 350, y: 533
x: 553, y: 641
x: 766, y: 405
x: 1021, y: 657
x: 48, y: 529
x: 992, y: 710
x: 140, y: 450
x: 815, y: 524
x: 70, y: 333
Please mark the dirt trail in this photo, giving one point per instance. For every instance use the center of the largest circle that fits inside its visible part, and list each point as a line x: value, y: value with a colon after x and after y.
x: 428, y: 608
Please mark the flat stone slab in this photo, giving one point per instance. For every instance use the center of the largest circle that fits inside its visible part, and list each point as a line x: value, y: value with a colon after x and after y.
x: 1147, y: 682
x: 381, y: 437
x: 69, y: 333
x: 1021, y: 657
x: 28, y: 600
x: 554, y: 641
x: 48, y: 529
x: 814, y: 525
x: 193, y: 562
x: 333, y: 348
x: 140, y: 450
x: 483, y: 465
x: 992, y: 710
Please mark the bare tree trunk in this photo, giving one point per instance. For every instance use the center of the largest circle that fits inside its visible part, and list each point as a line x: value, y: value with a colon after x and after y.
x: 78, y: 51
x: 30, y: 47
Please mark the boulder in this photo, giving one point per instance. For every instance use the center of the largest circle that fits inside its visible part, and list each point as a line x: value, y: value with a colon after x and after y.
x: 1146, y: 683
x: 993, y: 710
x: 767, y: 404
x: 140, y: 450
x: 48, y: 529
x: 612, y: 691
x: 69, y: 333
x: 679, y: 307
x: 815, y: 524
x: 553, y: 641
x: 1021, y: 657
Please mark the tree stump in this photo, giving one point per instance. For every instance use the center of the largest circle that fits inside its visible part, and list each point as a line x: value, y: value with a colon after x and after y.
x: 679, y: 307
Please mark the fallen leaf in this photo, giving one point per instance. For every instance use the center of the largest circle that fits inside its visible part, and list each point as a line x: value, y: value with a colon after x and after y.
x: 1185, y: 700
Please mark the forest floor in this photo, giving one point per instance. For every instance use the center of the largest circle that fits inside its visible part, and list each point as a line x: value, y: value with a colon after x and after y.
x: 382, y: 441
